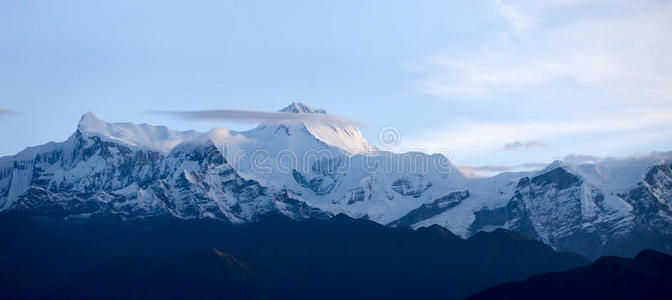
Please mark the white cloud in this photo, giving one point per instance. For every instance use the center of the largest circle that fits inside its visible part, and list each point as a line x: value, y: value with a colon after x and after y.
x: 518, y: 145
x: 480, y: 139
x: 615, y: 46
x: 578, y: 159
x: 572, y: 159
x: 481, y: 170
x: 250, y: 116
x: 519, y: 22
x: 590, y: 75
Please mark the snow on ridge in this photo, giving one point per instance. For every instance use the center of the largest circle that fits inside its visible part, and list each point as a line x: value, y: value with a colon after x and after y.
x: 158, y: 138
x: 552, y: 166
x: 340, y: 181
x: 347, y: 138
x: 302, y: 108
x: 618, y: 174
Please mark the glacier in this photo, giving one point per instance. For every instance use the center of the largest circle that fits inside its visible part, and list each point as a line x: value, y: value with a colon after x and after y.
x: 317, y: 170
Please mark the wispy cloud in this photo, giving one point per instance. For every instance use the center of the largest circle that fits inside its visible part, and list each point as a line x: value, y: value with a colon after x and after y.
x: 249, y: 116
x: 578, y: 159
x: 620, y: 47
x: 573, y: 159
x: 477, y: 140
x: 518, y: 21
x: 483, y: 170
x: 590, y: 76
x: 522, y: 145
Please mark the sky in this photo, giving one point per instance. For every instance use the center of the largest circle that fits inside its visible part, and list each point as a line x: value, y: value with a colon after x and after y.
x: 498, y: 85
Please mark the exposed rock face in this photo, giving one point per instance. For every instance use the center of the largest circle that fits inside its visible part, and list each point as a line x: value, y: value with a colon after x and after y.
x: 89, y: 175
x: 563, y: 210
x: 429, y: 210
x: 318, y: 170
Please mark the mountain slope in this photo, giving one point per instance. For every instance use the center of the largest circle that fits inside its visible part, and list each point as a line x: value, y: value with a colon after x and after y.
x: 647, y: 276
x: 94, y: 173
x: 563, y: 209
x: 209, y: 274
x: 334, y: 258
x: 319, y: 167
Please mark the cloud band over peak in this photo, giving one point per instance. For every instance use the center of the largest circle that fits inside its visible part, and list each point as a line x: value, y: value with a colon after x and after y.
x: 249, y: 116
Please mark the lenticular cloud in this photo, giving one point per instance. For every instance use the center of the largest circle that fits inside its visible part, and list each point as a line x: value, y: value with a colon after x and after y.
x: 250, y: 116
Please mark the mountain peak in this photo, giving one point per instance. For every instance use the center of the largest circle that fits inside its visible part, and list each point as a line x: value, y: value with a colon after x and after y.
x: 90, y: 123
x: 143, y: 135
x: 554, y: 165
x: 309, y: 125
x: 88, y: 116
x: 302, y: 108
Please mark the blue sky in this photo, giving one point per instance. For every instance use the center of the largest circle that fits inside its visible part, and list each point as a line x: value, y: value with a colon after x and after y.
x: 546, y: 78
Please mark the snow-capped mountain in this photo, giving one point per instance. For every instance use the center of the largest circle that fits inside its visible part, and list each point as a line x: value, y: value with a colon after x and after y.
x: 129, y: 170
x: 318, y: 169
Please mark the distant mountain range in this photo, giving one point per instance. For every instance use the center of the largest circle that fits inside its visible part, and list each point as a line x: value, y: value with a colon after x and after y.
x: 313, y: 169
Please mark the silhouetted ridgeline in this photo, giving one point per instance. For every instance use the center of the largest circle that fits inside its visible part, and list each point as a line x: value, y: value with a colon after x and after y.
x: 647, y: 276
x: 274, y: 258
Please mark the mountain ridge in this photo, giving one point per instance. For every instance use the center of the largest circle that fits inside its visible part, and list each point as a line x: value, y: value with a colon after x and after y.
x: 613, y: 207
x: 330, y: 258
x: 646, y: 276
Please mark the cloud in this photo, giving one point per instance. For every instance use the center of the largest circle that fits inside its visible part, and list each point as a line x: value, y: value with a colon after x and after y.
x: 619, y: 48
x: 645, y: 159
x: 590, y: 76
x: 578, y: 159
x: 5, y: 112
x: 472, y: 170
x: 485, y: 137
x: 518, y: 21
x: 522, y: 145
x: 249, y: 116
